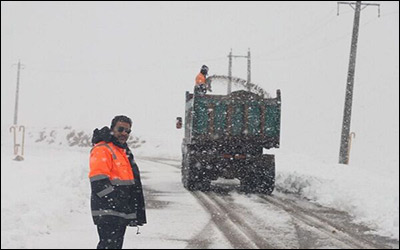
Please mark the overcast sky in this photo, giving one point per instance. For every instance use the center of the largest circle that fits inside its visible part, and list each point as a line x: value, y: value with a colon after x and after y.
x: 86, y: 62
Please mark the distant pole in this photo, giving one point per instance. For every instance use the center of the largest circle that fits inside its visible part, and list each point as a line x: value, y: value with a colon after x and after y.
x: 248, y: 70
x: 230, y: 70
x: 16, y: 95
x: 230, y: 73
x: 344, y: 145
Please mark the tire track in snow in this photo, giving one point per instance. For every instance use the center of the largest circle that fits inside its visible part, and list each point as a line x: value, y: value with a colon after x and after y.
x: 235, y: 229
x: 239, y: 233
x: 341, y: 233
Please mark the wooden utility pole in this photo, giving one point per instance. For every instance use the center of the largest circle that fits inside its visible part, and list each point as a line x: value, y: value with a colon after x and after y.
x: 248, y: 70
x: 344, y: 144
x: 230, y: 73
x: 17, y: 95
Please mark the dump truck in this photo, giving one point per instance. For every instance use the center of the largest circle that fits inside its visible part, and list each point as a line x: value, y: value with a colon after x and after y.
x: 225, y: 136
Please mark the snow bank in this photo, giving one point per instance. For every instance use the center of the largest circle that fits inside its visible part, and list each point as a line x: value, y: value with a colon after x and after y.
x: 40, y: 194
x: 148, y: 145
x: 69, y: 136
x: 371, y: 196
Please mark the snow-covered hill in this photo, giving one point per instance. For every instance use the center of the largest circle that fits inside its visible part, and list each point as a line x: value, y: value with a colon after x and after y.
x: 68, y: 136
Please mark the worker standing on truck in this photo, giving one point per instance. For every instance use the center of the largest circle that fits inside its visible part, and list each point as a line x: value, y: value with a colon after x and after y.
x: 200, y: 86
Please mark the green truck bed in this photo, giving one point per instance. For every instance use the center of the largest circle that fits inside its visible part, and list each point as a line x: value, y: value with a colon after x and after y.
x: 241, y: 116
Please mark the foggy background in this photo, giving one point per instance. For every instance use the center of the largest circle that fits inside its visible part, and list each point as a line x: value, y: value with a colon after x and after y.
x: 86, y: 62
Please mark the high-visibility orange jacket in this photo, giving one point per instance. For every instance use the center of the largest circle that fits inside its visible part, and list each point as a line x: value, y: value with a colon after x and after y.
x: 200, y: 79
x: 115, y: 195
x: 108, y: 160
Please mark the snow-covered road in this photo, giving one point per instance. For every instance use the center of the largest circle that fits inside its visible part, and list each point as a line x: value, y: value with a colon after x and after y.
x: 45, y: 204
x: 279, y: 221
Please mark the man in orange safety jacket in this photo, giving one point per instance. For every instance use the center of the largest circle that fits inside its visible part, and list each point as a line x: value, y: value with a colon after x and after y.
x: 117, y: 199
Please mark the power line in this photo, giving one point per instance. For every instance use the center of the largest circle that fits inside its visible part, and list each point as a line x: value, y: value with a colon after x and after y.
x: 306, y: 35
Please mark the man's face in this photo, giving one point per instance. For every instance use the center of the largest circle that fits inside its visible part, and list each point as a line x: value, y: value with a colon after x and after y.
x: 121, y: 130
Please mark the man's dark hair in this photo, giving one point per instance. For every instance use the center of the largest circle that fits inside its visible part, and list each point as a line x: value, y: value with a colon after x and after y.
x: 120, y: 118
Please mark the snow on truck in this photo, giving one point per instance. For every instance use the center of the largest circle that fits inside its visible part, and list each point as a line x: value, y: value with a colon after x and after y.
x: 225, y: 136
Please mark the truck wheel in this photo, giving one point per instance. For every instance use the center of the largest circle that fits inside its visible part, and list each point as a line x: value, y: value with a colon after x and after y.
x: 193, y: 178
x: 247, y: 183
x: 266, y: 174
x: 260, y: 177
x: 187, y: 173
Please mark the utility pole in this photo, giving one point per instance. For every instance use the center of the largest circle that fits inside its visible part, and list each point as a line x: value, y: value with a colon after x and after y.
x: 344, y: 145
x: 230, y: 56
x: 248, y: 70
x: 230, y: 73
x: 13, y: 129
x: 17, y: 95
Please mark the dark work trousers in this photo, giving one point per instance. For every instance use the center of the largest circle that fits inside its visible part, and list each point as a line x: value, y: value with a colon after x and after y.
x: 200, y: 90
x: 111, y: 236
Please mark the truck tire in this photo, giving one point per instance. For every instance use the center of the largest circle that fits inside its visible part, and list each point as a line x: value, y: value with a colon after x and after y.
x: 260, y: 177
x: 266, y: 174
x: 193, y: 177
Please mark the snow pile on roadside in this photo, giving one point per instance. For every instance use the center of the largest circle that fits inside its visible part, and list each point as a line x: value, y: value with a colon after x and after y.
x: 371, y: 196
x: 168, y: 146
x: 41, y: 193
x: 68, y: 136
